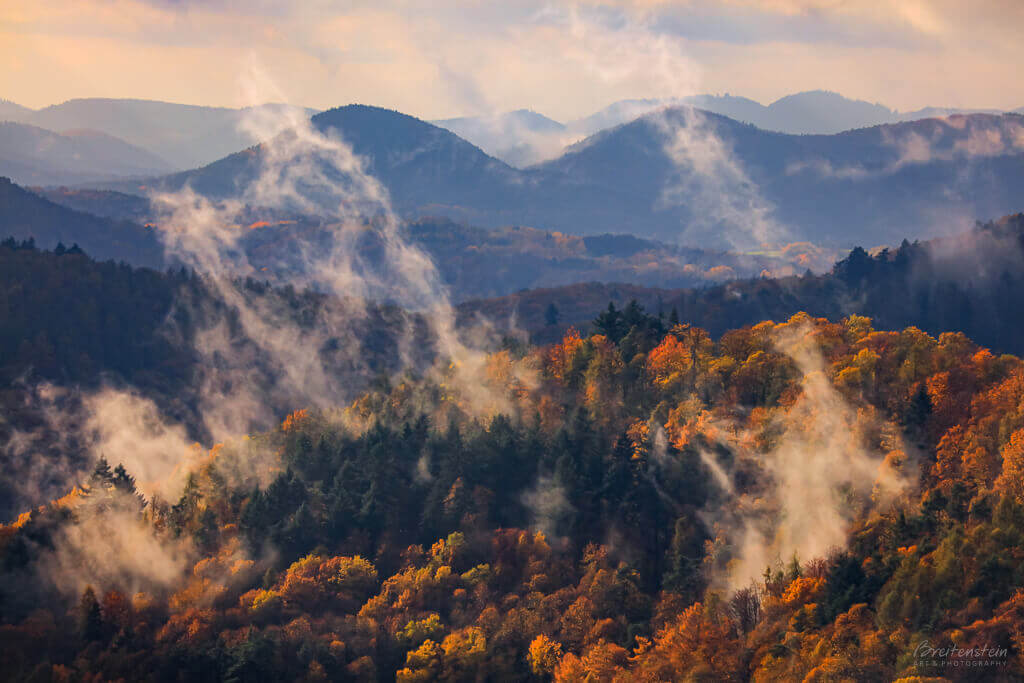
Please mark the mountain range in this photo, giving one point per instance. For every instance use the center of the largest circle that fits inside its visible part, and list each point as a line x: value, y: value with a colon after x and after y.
x: 702, y: 178
x: 187, y: 136
x: 679, y: 174
x: 184, y: 136
x: 684, y: 176
x: 815, y: 112
x: 38, y: 156
x: 525, y: 137
x: 472, y: 262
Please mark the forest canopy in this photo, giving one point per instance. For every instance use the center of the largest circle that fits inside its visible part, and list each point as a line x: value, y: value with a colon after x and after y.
x: 806, y: 499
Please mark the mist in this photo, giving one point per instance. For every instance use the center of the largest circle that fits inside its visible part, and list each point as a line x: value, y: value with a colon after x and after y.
x: 831, y: 464
x: 259, y: 358
x: 724, y: 206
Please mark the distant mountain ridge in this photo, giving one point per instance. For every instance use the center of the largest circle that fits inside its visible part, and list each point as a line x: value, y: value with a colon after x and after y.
x: 189, y: 136
x: 472, y: 262
x: 36, y: 156
x: 927, y: 177
x: 185, y: 135
x: 816, y: 112
x: 519, y: 138
x: 836, y: 189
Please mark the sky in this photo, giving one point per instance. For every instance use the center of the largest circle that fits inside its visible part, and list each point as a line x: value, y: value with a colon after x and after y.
x: 442, y: 58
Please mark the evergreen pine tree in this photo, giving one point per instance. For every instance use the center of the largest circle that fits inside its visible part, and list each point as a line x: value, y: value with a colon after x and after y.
x: 90, y: 620
x: 101, y: 474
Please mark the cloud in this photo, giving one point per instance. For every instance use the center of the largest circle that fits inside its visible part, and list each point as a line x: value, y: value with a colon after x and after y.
x: 111, y: 546
x: 948, y: 138
x: 450, y: 58
x: 829, y: 465
x: 130, y: 430
x: 548, y: 505
x: 725, y: 206
x: 258, y: 355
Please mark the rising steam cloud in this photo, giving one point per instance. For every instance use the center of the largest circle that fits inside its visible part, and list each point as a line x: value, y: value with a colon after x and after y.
x: 823, y: 472
x: 256, y: 356
x: 313, y: 172
x: 725, y: 206
x: 304, y: 171
x: 951, y: 138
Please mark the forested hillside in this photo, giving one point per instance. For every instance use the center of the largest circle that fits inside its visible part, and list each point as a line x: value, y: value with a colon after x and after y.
x: 25, y: 215
x: 360, y: 368
x: 678, y: 175
x: 968, y: 283
x: 71, y: 325
x: 810, y: 499
x: 474, y: 262
x: 112, y: 325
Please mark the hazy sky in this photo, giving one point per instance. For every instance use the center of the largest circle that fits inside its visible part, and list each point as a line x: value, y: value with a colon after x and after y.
x: 446, y: 57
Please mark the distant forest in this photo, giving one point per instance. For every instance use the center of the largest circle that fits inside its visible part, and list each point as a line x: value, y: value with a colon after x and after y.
x: 77, y: 323
x: 73, y: 321
x: 968, y: 283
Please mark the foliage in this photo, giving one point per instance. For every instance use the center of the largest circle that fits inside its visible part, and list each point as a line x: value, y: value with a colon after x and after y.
x: 569, y: 537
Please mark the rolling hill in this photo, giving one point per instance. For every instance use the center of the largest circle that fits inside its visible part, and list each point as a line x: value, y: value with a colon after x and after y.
x: 868, y: 186
x: 688, y: 177
x: 36, y: 156
x: 422, y: 166
x: 967, y: 283
x: 519, y: 138
x: 104, y: 203
x: 473, y: 262
x: 185, y: 135
x: 25, y: 215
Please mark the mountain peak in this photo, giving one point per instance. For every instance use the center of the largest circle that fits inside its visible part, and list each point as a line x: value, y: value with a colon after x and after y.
x: 827, y: 96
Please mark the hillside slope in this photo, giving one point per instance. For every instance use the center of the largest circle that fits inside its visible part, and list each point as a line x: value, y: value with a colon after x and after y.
x: 802, y: 500
x: 473, y: 262
x: 185, y: 135
x: 421, y: 165
x: 853, y: 187
x: 25, y: 215
x: 36, y: 156
x: 967, y: 283
x: 519, y: 138
x: 687, y: 177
